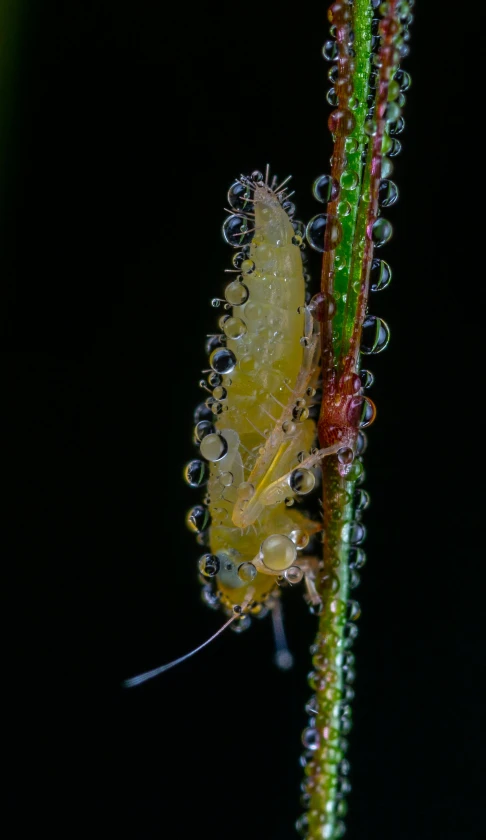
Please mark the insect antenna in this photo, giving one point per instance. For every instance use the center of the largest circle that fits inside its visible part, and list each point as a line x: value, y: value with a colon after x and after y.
x: 148, y: 675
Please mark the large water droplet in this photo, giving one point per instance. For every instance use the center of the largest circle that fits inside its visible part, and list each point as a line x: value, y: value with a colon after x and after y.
x: 330, y: 50
x: 382, y: 232
x: 341, y: 122
x: 325, y: 188
x: 196, y: 473
x: 238, y: 195
x: 302, y: 481
x: 222, y: 360
x: 236, y: 293
x: 203, y: 428
x: 324, y: 233
x: 294, y: 574
x: 208, y: 565
x: 247, y: 572
x: 234, y: 328
x: 380, y: 275
x: 357, y: 558
x: 387, y: 193
x: 213, y: 447
x: 278, y: 553
x: 375, y: 335
x: 236, y: 231
x: 404, y: 79
x: 198, y: 519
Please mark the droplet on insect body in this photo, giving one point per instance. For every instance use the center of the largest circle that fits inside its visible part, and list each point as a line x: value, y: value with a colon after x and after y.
x: 302, y: 481
x: 214, y: 447
x: 196, y: 473
x: 198, y: 519
x: 278, y: 552
x: 209, y: 565
x: 222, y: 360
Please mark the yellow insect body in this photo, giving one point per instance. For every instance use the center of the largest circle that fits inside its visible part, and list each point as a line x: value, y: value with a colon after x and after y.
x: 260, y: 444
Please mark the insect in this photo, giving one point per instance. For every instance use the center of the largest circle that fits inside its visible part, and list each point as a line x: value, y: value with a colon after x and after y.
x: 279, y: 436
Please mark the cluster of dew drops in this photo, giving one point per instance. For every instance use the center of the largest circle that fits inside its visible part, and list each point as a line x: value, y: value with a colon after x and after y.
x: 375, y: 338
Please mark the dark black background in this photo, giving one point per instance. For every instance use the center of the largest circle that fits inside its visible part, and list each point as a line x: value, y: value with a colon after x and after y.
x: 129, y: 122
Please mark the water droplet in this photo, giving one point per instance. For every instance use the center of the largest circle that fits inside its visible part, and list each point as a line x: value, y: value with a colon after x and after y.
x: 332, y: 98
x: 257, y: 176
x: 367, y: 378
x: 239, y: 258
x: 340, y: 828
x: 382, y: 232
x: 311, y: 739
x: 357, y: 557
x: 213, y: 447
x: 300, y: 412
x: 371, y: 127
x: 236, y: 293
x: 396, y: 127
x: 312, y: 707
x: 198, y: 519
x: 361, y: 443
x: 345, y: 456
x: 288, y: 427
x: 278, y: 553
x: 323, y: 307
x: 361, y: 499
x: 325, y: 188
x: 203, y: 428
x: 289, y: 208
x: 349, y: 179
x: 210, y: 597
x: 236, y: 231
x: 297, y: 240
x: 300, y: 538
x: 375, y: 335
x: 238, y: 197
x: 353, y: 472
x: 353, y: 532
x: 353, y: 611
x: 234, y: 328
x: 294, y: 574
x: 222, y: 360
x: 247, y: 572
x: 220, y: 393
x: 330, y: 50
x: 225, y: 478
x: 196, y: 473
x: 247, y: 266
x: 208, y: 565
x: 380, y: 275
x: 344, y: 209
x: 404, y: 79
x: 395, y: 148
x: 386, y: 167
x: 387, y: 193
x: 302, y: 481
x: 241, y: 624
x: 215, y: 341
x: 302, y: 825
x: 324, y: 233
x: 341, y: 122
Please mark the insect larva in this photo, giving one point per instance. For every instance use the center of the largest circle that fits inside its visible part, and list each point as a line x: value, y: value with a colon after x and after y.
x: 257, y: 436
